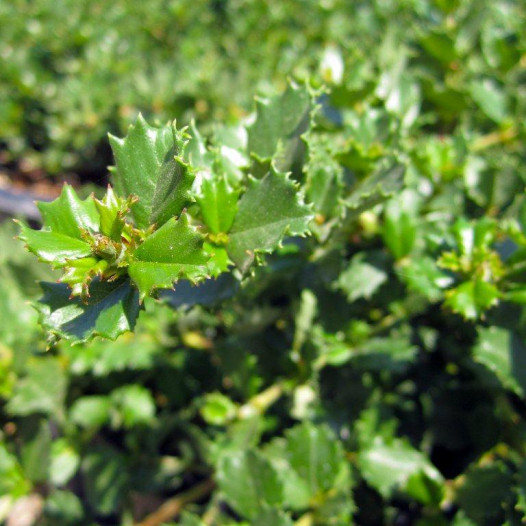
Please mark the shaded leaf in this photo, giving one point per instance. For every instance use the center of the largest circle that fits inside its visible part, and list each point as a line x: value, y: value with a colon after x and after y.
x: 375, y: 189
x: 112, y: 308
x: 503, y: 353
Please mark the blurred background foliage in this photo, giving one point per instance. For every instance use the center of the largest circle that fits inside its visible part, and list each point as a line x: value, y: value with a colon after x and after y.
x: 377, y: 380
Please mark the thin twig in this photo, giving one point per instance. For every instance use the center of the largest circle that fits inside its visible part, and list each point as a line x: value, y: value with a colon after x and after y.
x: 172, y: 507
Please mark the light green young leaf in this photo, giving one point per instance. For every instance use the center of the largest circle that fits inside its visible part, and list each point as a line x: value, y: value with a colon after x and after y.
x: 270, y: 209
x: 249, y: 482
x: 173, y: 252
x: 111, y: 309
x: 472, y: 298
x: 149, y: 165
x: 218, y: 202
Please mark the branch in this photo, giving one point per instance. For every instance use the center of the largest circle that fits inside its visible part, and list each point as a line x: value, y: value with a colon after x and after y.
x: 172, y: 507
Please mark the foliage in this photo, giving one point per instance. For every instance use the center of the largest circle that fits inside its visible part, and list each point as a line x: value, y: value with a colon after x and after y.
x: 345, y: 269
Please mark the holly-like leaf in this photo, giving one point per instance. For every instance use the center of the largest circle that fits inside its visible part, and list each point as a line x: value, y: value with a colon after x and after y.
x: 111, y: 309
x: 65, y: 223
x: 324, y: 175
x: 52, y: 247
x: 279, y: 123
x: 149, y: 165
x: 173, y: 252
x: 218, y: 202
x: 363, y: 277
x: 375, y: 188
x: 472, y: 298
x: 68, y: 215
x: 270, y: 209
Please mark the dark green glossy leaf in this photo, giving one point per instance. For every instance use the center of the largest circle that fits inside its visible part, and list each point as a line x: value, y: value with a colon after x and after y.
x: 69, y: 215
x: 173, y: 252
x: 112, y: 308
x: 270, y: 209
x: 53, y: 247
x: 150, y: 166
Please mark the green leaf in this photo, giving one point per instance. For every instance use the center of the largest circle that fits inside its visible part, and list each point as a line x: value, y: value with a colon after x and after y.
x: 217, y: 409
x: 491, y: 100
x: 270, y: 209
x: 52, y: 247
x: 91, y: 411
x: 279, y: 123
x: 324, y: 175
x: 173, y: 252
x: 375, y: 188
x: 69, y: 215
x: 249, y: 482
x: 105, y: 479
x: 272, y: 517
x: 362, y: 278
x: 472, y: 298
x: 395, y: 464
x: 149, y: 165
x: 42, y: 390
x: 189, y: 519
x: 135, y: 405
x: 315, y: 454
x: 12, y: 479
x: 400, y: 219
x: 218, y: 202
x: 35, y: 451
x: 111, y: 309
x: 64, y: 462
x: 422, y: 275
x: 484, y: 493
x: 64, y: 508
x: 503, y: 353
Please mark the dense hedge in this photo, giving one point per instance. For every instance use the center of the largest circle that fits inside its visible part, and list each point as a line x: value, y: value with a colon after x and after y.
x: 352, y: 350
